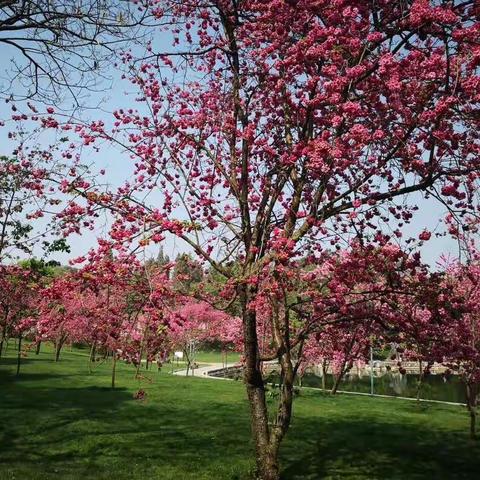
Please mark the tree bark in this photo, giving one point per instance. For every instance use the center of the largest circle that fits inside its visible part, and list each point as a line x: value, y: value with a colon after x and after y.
x: 4, y: 341
x: 324, y: 374
x: 91, y: 357
x: 19, y: 355
x: 267, y: 467
x: 267, y: 438
x: 114, y: 366
x: 339, y: 378
x: 472, y: 409
x: 37, y: 349
x: 336, y: 383
x: 58, y: 348
x: 473, y: 422
x: 420, y: 380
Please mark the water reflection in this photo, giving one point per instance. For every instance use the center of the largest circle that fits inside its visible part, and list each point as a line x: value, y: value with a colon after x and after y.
x: 435, y: 387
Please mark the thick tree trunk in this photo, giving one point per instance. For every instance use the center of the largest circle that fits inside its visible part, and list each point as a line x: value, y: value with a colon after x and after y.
x: 37, y: 349
x: 267, y: 464
x: 19, y: 354
x: 267, y: 438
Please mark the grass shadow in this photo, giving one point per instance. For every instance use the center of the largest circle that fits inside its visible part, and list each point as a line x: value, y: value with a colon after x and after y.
x: 362, y: 445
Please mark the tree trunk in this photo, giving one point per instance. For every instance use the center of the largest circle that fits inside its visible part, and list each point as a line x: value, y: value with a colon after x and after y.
x: 2, y: 341
x: 58, y: 348
x: 336, y: 384
x: 19, y: 354
x: 338, y: 379
x: 420, y: 380
x: 37, y: 349
x: 266, y: 439
x: 473, y: 422
x: 114, y: 365
x: 267, y: 465
x: 187, y: 358
x: 91, y: 357
x: 324, y: 374
x: 472, y: 410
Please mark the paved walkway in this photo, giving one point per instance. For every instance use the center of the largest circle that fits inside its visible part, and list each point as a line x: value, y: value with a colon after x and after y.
x: 205, y: 370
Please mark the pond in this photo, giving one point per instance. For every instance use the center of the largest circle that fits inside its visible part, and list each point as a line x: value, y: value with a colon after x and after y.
x: 435, y: 387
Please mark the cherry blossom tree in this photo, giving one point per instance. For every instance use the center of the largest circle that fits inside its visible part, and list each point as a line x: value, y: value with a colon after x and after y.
x: 26, y: 195
x: 461, y: 344
x: 18, y: 293
x: 196, y: 322
x: 274, y: 129
x: 344, y: 347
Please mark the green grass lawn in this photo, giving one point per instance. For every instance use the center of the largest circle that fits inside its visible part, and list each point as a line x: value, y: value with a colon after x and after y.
x: 59, y: 422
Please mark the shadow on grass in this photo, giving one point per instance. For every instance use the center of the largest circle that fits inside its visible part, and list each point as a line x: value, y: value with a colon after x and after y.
x: 104, y: 433
x: 370, y: 448
x: 12, y: 360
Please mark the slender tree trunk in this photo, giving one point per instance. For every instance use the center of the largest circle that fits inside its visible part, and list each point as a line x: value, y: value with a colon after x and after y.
x: 2, y: 340
x: 472, y: 409
x: 58, y: 349
x: 338, y: 379
x: 19, y: 354
x: 91, y: 357
x: 336, y: 384
x: 37, y: 349
x: 324, y: 374
x: 139, y: 364
x: 420, y: 380
x: 473, y: 422
x: 114, y: 365
x: 187, y: 358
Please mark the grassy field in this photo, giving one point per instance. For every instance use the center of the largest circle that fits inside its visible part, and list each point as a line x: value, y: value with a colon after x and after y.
x: 59, y: 422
